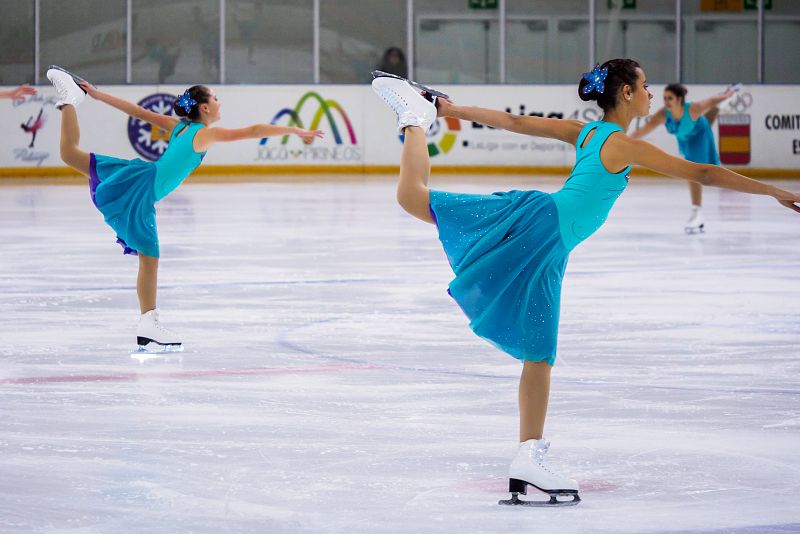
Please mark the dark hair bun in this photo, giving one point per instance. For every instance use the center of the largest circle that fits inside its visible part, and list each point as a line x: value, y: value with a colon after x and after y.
x: 586, y: 97
x: 200, y: 94
x: 179, y: 110
x: 621, y: 72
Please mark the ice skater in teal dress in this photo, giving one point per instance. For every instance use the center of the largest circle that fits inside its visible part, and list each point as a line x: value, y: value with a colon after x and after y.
x: 508, y: 250
x: 690, y: 123
x: 126, y: 191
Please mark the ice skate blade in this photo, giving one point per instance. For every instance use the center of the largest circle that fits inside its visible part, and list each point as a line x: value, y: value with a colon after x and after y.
x: 690, y: 230
x: 520, y: 486
x: 148, y: 346
x: 431, y: 92
x: 78, y: 79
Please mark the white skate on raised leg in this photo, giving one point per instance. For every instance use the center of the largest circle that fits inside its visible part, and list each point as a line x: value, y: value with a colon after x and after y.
x: 152, y: 337
x: 411, y: 108
x: 530, y: 468
x: 66, y: 85
x: 696, y: 223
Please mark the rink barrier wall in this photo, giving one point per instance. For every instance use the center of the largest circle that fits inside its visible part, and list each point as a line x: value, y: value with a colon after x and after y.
x: 758, y: 130
x: 234, y: 173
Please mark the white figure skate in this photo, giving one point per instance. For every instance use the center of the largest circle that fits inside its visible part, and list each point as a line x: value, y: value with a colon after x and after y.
x: 66, y: 85
x: 530, y: 468
x: 411, y: 108
x: 152, y: 337
x: 696, y: 223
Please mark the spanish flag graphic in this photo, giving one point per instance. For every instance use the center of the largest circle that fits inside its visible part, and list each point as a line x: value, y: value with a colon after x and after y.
x: 734, y: 139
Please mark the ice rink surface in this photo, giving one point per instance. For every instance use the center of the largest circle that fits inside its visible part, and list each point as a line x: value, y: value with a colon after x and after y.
x: 329, y: 384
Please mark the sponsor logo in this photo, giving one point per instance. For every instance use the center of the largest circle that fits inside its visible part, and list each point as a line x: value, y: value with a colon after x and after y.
x: 345, y: 147
x: 147, y: 140
x: 734, y: 131
x: 31, y: 126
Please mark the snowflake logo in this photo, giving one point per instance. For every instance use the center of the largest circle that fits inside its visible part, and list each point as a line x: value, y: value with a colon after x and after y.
x: 148, y: 141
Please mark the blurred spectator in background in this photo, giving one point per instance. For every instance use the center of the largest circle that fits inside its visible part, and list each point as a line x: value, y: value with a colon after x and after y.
x: 394, y: 62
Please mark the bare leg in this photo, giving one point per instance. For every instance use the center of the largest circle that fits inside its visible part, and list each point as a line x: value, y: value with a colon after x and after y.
x: 415, y: 168
x: 696, y: 190
x: 70, y: 139
x: 534, y: 394
x: 147, y: 282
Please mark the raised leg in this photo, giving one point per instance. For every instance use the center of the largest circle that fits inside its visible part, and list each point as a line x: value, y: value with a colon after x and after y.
x: 70, y: 140
x: 415, y: 169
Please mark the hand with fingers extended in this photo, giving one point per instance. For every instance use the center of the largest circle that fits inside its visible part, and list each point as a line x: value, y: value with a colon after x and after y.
x: 18, y: 93
x: 309, y: 135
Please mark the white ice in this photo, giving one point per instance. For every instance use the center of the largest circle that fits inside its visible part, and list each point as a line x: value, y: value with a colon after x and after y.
x: 329, y: 384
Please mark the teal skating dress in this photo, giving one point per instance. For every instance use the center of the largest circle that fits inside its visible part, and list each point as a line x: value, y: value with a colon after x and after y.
x: 126, y: 191
x: 509, y: 250
x: 695, y: 138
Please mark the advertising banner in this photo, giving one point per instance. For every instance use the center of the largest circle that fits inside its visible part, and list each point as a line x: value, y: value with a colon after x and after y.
x: 758, y: 128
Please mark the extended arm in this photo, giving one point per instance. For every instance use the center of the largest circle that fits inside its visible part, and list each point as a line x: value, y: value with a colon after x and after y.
x: 164, y: 122
x: 208, y: 136
x: 652, y: 157
x: 656, y: 119
x: 18, y: 92
x: 700, y: 107
x: 563, y: 130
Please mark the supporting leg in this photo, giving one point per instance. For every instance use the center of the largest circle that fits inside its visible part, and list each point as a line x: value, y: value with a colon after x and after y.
x: 534, y: 394
x: 147, y: 282
x: 696, y: 191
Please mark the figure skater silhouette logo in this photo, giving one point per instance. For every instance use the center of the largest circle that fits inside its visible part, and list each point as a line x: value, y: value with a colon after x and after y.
x: 32, y: 126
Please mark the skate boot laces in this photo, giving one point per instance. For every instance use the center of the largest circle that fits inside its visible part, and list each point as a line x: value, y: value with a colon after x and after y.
x: 538, y: 452
x: 394, y: 100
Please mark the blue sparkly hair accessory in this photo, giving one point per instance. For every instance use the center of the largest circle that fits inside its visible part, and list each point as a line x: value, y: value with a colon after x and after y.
x: 596, y: 78
x: 186, y: 102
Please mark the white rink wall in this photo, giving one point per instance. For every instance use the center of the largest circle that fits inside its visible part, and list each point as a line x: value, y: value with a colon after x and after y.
x: 769, y: 139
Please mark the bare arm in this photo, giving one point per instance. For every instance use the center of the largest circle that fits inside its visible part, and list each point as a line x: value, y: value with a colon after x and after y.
x: 209, y: 136
x: 700, y: 107
x: 563, y: 130
x: 623, y: 150
x: 164, y: 122
x: 656, y: 119
x: 19, y: 92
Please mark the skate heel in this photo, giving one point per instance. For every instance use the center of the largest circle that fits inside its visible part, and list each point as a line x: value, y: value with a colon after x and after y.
x: 517, y: 486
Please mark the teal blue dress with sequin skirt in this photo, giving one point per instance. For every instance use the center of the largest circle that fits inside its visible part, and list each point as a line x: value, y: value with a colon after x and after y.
x: 509, y: 250
x: 695, y: 138
x: 126, y: 191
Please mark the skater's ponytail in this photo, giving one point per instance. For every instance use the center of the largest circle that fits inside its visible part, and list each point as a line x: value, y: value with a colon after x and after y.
x: 188, y: 104
x: 605, y: 82
x: 678, y: 90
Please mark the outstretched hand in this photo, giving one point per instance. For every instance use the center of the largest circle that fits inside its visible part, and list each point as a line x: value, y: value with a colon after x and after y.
x: 90, y: 89
x: 790, y: 201
x: 21, y: 92
x: 309, y: 135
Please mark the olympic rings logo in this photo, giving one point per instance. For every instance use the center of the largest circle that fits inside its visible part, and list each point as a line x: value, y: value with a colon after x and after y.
x: 741, y: 102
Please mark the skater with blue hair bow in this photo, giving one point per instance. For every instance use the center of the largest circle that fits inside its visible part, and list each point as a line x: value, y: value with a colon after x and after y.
x: 509, y: 250
x: 126, y: 191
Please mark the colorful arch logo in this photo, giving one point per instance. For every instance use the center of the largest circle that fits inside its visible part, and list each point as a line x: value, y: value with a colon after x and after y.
x: 448, y: 140
x: 325, y: 107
